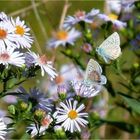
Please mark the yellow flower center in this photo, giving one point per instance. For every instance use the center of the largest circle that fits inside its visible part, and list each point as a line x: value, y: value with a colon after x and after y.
x: 62, y: 35
x: 72, y: 114
x: 20, y: 30
x: 4, y: 56
x: 43, y: 59
x: 113, y: 16
x: 79, y: 14
x: 3, y: 34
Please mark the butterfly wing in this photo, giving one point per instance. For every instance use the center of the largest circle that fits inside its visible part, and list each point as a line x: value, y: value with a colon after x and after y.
x: 92, y: 66
x: 110, y: 48
x: 85, y: 89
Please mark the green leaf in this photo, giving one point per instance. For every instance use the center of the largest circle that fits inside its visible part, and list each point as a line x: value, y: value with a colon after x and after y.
x: 122, y: 125
x: 133, y: 103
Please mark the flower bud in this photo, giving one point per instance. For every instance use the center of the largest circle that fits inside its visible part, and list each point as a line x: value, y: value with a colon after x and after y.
x: 39, y: 114
x: 87, y: 47
x: 23, y: 106
x: 59, y: 131
x: 136, y: 65
x: 62, y: 91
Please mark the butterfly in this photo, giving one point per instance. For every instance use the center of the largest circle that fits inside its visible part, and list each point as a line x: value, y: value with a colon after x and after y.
x: 110, y: 48
x: 93, y: 81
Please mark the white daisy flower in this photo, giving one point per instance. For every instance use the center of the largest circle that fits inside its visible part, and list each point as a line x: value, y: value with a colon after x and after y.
x: 113, y: 18
x: 10, y: 56
x: 3, y: 128
x: 63, y: 37
x: 70, y: 117
x: 3, y: 16
x: 40, y: 131
x: 6, y: 34
x: 80, y: 16
x: 23, y: 37
x: 46, y: 66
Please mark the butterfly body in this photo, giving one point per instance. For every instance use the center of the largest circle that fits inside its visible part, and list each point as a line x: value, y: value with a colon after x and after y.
x: 93, y: 81
x: 110, y: 48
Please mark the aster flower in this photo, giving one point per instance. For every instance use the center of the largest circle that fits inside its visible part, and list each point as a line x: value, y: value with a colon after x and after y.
x: 21, y: 31
x: 41, y: 61
x: 37, y: 98
x: 3, y: 129
x: 63, y: 37
x: 70, y: 116
x: 10, y: 56
x: 113, y: 18
x: 85, y: 89
x: 80, y: 16
x: 40, y: 130
x: 3, y: 16
x: 6, y: 34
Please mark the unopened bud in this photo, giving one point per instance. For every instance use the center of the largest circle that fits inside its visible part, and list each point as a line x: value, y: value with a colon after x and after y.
x: 62, y: 91
x: 39, y: 114
x: 87, y: 47
x: 23, y: 106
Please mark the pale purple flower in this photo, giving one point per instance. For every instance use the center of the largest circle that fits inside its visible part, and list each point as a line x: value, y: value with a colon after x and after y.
x: 36, y: 97
x: 64, y: 37
x: 79, y: 16
x: 41, y: 61
x: 113, y: 18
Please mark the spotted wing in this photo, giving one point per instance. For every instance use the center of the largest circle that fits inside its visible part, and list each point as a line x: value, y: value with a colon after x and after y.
x: 110, y: 48
x: 84, y: 89
x: 93, y: 70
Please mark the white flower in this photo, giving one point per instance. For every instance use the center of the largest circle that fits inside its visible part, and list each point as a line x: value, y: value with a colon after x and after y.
x: 113, y: 18
x: 3, y: 129
x: 6, y: 34
x: 46, y: 66
x: 44, y: 125
x: 23, y: 38
x: 10, y: 56
x: 70, y: 117
x: 80, y: 16
x: 64, y: 36
x: 3, y: 16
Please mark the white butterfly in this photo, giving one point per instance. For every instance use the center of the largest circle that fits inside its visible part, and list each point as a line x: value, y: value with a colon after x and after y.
x: 93, y: 81
x: 110, y: 48
x: 94, y: 73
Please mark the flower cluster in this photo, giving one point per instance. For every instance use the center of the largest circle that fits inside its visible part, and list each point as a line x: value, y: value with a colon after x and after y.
x: 14, y: 39
x: 68, y: 34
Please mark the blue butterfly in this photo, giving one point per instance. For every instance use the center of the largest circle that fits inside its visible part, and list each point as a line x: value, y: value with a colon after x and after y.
x: 110, y: 48
x: 93, y: 81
